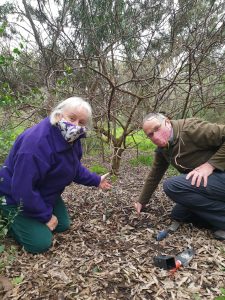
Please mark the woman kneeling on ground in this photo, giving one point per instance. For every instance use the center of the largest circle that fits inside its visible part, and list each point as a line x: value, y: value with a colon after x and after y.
x: 42, y: 162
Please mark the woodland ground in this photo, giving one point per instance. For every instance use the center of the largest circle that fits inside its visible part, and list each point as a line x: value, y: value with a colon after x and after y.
x: 112, y: 257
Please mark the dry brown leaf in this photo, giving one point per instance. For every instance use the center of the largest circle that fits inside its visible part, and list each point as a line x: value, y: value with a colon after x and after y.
x: 5, y: 283
x: 114, y: 260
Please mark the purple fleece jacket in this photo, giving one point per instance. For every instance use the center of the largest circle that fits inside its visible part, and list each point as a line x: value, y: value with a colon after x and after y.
x: 39, y: 167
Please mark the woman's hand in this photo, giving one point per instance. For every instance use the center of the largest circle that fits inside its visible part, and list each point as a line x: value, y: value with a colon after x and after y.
x: 52, y: 223
x: 200, y: 173
x: 104, y: 184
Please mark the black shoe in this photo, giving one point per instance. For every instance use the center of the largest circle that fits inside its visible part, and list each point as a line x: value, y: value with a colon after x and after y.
x: 219, y: 234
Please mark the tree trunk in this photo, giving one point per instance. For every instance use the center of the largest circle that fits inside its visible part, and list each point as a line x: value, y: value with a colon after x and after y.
x: 117, y: 153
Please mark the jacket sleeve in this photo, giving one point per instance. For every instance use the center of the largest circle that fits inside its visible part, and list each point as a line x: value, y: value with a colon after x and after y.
x: 28, y: 171
x: 85, y: 177
x: 218, y: 159
x: 158, y: 169
x: 212, y: 136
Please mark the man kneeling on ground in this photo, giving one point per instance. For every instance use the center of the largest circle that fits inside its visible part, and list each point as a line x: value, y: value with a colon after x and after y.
x: 196, y: 148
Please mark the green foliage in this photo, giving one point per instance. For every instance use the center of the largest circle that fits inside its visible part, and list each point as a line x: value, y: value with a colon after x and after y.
x: 5, y: 222
x: 68, y: 70
x: 3, y: 229
x: 97, y: 269
x: 222, y: 250
x: 196, y: 297
x: 6, y: 94
x: 145, y: 160
x: 137, y: 140
x: 172, y: 171
x: 8, y: 256
x: 140, y: 141
x: 17, y: 280
x: 216, y: 115
x: 93, y: 144
x: 113, y: 178
x: 7, y: 138
x: 221, y: 297
x: 3, y: 26
x: 2, y: 248
x: 16, y: 51
x: 98, y: 169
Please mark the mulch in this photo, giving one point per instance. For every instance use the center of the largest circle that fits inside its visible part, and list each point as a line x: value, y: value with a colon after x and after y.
x: 108, y: 252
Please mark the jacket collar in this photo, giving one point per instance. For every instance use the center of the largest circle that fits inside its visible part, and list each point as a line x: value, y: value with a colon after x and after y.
x: 59, y: 142
x: 176, y: 132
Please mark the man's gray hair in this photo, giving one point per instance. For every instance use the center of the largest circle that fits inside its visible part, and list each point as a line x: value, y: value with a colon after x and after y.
x: 157, y: 116
x: 71, y: 103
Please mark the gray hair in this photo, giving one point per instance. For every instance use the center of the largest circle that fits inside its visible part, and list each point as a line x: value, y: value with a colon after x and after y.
x: 153, y: 115
x: 72, y: 102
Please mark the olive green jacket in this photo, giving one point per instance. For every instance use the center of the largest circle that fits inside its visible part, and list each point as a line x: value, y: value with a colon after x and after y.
x: 194, y: 143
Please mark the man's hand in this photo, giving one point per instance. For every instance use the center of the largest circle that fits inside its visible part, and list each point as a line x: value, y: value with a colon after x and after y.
x: 52, y: 223
x: 199, y: 173
x: 138, y: 206
x: 104, y: 184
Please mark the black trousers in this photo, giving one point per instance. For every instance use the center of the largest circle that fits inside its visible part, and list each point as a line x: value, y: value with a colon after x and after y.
x: 203, y: 205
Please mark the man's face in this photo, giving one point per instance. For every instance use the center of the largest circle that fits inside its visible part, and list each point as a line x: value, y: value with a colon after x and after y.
x: 158, y: 131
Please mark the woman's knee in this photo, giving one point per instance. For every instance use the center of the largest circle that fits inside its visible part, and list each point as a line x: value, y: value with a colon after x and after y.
x: 36, y: 240
x: 39, y: 246
x: 63, y: 226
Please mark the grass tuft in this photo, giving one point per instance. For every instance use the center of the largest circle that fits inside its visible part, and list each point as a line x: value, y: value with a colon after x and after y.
x: 145, y: 160
x: 100, y: 170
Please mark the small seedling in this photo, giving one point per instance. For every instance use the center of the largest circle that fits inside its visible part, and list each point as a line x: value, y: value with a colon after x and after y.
x: 17, y: 280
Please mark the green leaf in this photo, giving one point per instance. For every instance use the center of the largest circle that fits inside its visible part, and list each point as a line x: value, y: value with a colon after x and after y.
x: 10, y: 58
x: 2, y: 248
x: 97, y: 269
x: 17, y: 51
x: 17, y: 280
x: 5, y: 85
x: 5, y: 231
x: 61, y: 81
x: 2, y: 59
x: 68, y: 70
x: 222, y: 297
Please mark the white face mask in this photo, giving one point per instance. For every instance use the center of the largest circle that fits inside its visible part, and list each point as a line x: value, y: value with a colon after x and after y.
x: 71, y: 132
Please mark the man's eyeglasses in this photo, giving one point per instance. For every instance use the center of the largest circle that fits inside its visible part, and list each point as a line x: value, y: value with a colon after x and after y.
x: 150, y: 134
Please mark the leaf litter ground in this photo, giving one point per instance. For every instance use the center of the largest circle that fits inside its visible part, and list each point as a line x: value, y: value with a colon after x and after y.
x: 108, y: 252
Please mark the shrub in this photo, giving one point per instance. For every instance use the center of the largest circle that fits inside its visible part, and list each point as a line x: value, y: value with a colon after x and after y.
x: 5, y: 222
x: 7, y: 138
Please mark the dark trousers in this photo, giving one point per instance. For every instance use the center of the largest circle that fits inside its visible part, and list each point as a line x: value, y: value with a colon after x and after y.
x: 204, y: 205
